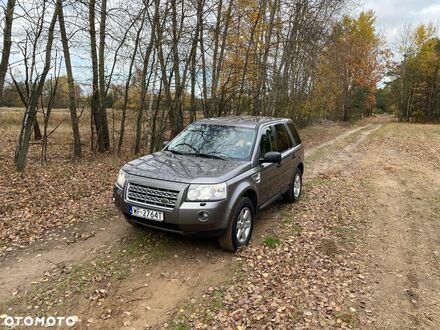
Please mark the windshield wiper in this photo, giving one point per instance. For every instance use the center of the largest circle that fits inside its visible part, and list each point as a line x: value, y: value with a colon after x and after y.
x: 197, y: 154
x: 212, y: 156
x: 180, y: 152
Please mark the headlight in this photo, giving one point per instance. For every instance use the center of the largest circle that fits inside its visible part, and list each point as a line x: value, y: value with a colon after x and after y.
x: 206, y: 192
x: 120, y: 181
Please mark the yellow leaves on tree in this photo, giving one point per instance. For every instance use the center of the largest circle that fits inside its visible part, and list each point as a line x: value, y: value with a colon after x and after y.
x: 415, y: 87
x: 351, y: 66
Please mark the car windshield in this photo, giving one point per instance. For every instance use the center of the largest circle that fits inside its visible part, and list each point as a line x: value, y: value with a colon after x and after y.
x: 214, y: 141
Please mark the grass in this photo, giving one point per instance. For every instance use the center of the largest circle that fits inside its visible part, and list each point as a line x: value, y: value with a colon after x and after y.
x: 179, y: 325
x: 296, y: 317
x: 271, y: 241
x: 211, y: 303
x: 319, y: 153
x: 352, y: 138
x: 349, y: 318
x: 345, y: 233
x: 314, y: 182
x: 217, y: 299
x: 296, y: 229
x: 325, y: 151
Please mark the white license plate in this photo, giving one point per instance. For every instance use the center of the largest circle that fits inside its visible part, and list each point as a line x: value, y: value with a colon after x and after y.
x: 146, y: 214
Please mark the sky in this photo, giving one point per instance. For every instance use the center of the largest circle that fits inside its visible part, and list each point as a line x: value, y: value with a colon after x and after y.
x: 392, y: 15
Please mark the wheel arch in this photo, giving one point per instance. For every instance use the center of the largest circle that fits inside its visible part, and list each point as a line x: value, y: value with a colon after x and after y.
x: 301, y: 168
x: 252, y: 195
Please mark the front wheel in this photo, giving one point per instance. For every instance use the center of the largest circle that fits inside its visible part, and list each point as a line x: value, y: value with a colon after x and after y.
x: 295, y: 189
x: 240, y: 226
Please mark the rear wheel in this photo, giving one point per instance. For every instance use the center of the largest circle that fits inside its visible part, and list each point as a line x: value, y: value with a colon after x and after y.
x: 240, y: 226
x: 295, y: 189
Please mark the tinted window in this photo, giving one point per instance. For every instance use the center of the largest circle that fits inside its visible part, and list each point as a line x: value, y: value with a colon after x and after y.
x: 283, y: 139
x: 294, y: 134
x: 267, y: 143
x: 214, y: 141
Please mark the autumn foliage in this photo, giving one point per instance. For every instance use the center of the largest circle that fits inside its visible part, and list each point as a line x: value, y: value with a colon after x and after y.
x: 414, y: 92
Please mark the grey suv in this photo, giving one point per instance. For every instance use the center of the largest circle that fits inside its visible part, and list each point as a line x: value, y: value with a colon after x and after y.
x: 212, y: 178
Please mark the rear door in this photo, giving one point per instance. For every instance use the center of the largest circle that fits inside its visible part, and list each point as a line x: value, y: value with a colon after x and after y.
x: 297, y: 144
x: 288, y: 163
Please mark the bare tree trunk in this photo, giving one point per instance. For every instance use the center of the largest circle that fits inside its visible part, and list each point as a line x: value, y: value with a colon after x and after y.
x: 176, y: 115
x: 102, y: 85
x: 206, y: 110
x: 144, y: 84
x: 127, y: 86
x: 95, y: 101
x: 46, y: 115
x: 70, y: 82
x: 7, y: 42
x: 37, y: 131
x: 31, y: 110
x: 216, y: 37
x: 261, y: 9
x: 219, y: 65
x: 262, y: 77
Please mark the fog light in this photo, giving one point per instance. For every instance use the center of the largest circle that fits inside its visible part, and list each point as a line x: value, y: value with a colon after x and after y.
x: 203, y: 216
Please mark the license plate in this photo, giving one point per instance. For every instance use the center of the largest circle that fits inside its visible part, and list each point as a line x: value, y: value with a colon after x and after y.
x: 146, y: 214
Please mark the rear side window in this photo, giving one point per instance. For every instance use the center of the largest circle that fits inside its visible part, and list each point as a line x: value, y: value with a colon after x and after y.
x: 295, y: 134
x: 283, y: 139
x: 267, y: 143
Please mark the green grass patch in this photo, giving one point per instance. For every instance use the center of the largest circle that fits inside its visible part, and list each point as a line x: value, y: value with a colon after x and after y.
x: 271, y: 241
x: 179, y: 325
x: 217, y: 300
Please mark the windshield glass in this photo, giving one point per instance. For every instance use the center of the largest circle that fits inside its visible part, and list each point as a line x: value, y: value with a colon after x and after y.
x: 214, y: 141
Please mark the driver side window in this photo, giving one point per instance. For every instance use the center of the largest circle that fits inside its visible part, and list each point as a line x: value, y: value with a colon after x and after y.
x: 267, y: 142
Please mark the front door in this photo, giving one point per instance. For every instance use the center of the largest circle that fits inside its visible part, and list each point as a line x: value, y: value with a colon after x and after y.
x: 269, y: 173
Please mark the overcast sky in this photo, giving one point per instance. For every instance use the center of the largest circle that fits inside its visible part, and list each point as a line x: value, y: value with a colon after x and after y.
x: 392, y: 15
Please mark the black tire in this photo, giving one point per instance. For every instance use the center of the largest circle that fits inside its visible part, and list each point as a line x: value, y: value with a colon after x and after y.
x: 290, y: 196
x: 229, y: 241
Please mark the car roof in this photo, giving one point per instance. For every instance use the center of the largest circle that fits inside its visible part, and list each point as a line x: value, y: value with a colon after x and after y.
x: 242, y: 121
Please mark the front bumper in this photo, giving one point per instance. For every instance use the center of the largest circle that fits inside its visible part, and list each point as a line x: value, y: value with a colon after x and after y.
x: 184, y: 218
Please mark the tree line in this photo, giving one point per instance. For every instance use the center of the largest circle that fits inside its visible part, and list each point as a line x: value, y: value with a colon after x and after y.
x: 174, y: 61
x: 414, y: 90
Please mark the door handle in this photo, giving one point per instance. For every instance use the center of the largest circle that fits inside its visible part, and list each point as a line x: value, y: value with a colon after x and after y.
x: 293, y: 156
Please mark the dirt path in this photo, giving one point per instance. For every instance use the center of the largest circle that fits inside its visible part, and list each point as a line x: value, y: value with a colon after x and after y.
x: 403, y: 239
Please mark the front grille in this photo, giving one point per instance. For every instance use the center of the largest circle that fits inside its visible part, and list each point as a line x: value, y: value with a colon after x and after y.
x: 152, y: 196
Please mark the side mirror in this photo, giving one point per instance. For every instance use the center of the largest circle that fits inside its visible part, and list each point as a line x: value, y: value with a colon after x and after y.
x: 165, y: 143
x: 271, y: 157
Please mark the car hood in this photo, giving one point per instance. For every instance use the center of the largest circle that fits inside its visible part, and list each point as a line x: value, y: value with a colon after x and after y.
x: 165, y: 165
